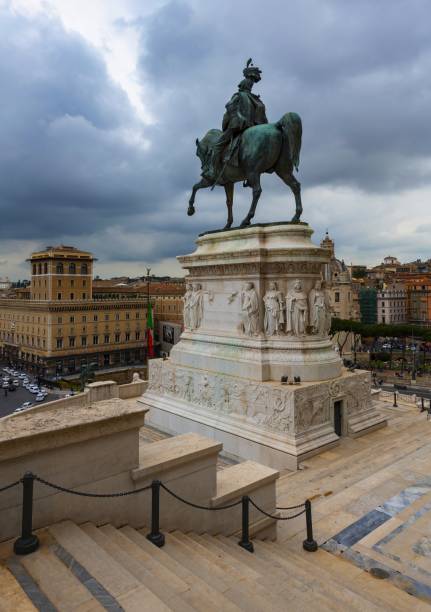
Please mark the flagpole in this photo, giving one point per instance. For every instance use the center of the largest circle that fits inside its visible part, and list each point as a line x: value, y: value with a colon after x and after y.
x: 149, y: 343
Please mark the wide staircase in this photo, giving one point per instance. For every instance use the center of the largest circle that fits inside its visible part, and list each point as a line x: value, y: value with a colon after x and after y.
x: 87, y: 568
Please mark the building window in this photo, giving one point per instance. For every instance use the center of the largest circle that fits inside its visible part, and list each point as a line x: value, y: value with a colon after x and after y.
x: 39, y: 268
x: 337, y: 296
x: 106, y: 359
x: 83, y: 340
x: 59, y: 282
x: 127, y: 336
x: 72, y: 296
x: 59, y: 343
x: 117, y: 337
x: 58, y: 296
x: 106, y: 338
x: 106, y: 317
x: 95, y: 339
x: 127, y: 316
x: 84, y: 296
x: 34, y: 269
x: 84, y: 268
x: 95, y: 318
x: 137, y: 335
x: 59, y: 320
x: 45, y: 268
x: 59, y: 268
x: 72, y: 268
x: 117, y: 316
x: 72, y: 319
x: 72, y: 283
x: 137, y: 314
x: 71, y: 341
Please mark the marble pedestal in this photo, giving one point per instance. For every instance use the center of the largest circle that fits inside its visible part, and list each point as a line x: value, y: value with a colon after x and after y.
x: 223, y: 378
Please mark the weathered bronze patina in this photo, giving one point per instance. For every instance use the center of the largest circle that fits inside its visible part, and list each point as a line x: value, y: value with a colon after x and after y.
x: 247, y: 147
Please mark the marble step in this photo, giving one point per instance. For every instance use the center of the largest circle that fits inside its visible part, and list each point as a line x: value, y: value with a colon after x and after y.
x: 246, y: 592
x: 288, y: 581
x: 201, y: 596
x: 161, y: 588
x: 339, y: 595
x: 61, y: 587
x: 344, y: 574
x: 126, y: 590
x: 12, y: 597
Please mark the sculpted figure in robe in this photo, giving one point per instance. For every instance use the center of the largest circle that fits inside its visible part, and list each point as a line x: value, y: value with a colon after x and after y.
x: 187, y: 306
x: 250, y: 310
x: 274, y: 306
x: 320, y: 311
x: 296, y: 310
x: 196, y: 306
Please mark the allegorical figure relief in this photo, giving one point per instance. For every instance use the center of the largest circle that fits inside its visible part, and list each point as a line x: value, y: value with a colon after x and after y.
x: 274, y: 306
x: 196, y: 306
x: 187, y: 306
x: 250, y: 310
x: 296, y: 310
x: 320, y: 312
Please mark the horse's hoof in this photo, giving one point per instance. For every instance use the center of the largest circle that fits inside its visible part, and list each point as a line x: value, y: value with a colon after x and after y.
x: 245, y: 223
x: 227, y: 226
x: 190, y: 211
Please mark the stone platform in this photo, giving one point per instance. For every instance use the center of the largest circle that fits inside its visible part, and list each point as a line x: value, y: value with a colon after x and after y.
x: 255, y: 314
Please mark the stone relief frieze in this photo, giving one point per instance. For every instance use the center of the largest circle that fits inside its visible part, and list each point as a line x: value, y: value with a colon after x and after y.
x: 238, y: 269
x: 257, y: 404
x: 274, y: 408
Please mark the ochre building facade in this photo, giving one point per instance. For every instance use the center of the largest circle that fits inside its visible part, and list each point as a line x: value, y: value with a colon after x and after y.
x: 59, y: 325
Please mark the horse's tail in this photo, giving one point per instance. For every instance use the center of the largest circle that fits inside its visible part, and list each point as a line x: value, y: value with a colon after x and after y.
x: 291, y: 126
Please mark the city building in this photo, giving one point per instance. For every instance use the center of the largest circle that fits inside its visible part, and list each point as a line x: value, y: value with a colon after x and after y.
x: 167, y: 300
x: 418, y: 289
x: 368, y: 304
x: 342, y: 291
x: 5, y: 284
x: 392, y: 304
x: 58, y: 324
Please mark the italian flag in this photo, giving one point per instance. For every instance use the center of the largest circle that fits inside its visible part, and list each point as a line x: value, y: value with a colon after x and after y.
x: 150, y: 328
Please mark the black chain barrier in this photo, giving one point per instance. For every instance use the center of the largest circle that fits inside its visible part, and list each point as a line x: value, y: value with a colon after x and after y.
x: 278, y: 518
x: 84, y: 494
x: 29, y: 542
x: 193, y: 505
x: 9, y: 486
x: 291, y: 507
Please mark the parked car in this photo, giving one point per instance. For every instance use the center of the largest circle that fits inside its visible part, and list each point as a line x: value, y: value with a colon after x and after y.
x: 40, y: 397
x: 26, y: 405
x: 16, y: 382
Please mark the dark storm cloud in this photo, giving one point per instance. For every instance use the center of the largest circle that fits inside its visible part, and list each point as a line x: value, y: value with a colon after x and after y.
x: 75, y: 162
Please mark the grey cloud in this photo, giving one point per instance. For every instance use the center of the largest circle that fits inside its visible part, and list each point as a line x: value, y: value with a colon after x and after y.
x: 357, y: 73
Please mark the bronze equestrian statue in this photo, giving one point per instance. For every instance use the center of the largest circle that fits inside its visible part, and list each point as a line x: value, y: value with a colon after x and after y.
x: 247, y: 147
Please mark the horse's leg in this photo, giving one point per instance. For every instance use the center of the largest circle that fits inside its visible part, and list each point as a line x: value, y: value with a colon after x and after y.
x: 201, y: 185
x: 229, y: 203
x: 253, y: 181
x: 295, y: 185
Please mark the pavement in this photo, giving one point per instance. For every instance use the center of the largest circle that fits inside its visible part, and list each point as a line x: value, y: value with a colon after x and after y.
x: 16, y: 398
x: 371, y: 499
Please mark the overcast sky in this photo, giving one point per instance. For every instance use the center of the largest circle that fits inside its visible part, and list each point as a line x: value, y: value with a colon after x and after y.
x: 102, y: 100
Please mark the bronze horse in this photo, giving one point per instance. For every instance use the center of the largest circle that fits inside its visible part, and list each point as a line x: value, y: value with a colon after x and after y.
x: 269, y: 147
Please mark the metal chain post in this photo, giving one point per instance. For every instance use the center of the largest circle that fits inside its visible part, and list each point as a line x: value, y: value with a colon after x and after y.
x: 395, y: 400
x: 155, y: 536
x: 310, y: 544
x: 245, y: 538
x: 27, y: 542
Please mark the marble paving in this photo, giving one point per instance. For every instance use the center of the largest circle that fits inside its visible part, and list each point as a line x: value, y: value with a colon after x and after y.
x: 371, y: 500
